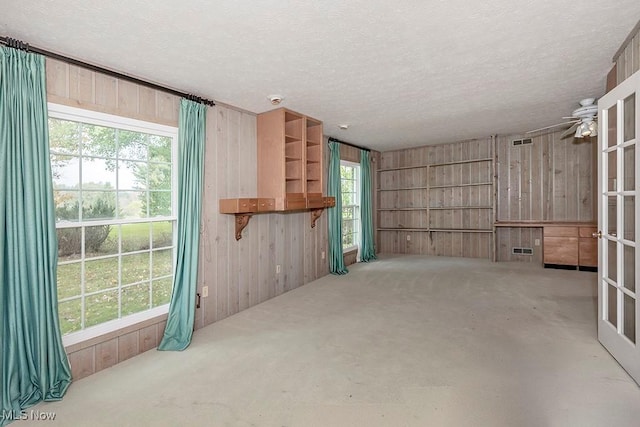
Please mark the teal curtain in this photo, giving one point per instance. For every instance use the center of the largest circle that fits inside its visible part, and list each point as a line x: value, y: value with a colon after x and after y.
x: 191, y: 137
x: 367, y: 248
x: 34, y: 364
x: 336, y: 259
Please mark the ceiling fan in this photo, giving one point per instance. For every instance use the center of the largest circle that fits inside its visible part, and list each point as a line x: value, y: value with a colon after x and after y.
x: 582, y: 121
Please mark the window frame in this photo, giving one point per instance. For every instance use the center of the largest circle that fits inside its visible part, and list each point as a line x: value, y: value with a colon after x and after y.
x: 357, y: 221
x: 64, y: 112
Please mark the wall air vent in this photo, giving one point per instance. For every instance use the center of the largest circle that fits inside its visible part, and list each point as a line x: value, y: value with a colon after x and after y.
x: 525, y: 141
x: 522, y: 251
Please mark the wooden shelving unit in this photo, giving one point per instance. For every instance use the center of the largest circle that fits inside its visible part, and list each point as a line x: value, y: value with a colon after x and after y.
x: 438, y: 198
x: 290, y: 169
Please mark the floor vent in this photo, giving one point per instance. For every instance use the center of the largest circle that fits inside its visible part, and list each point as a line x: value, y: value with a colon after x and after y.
x: 522, y: 251
x: 525, y: 141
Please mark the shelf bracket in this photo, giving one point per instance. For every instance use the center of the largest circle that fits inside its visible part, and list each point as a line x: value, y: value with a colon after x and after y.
x: 315, y: 214
x: 241, y: 222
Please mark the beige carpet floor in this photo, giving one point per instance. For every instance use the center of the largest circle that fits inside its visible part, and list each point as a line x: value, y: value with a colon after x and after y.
x: 404, y: 341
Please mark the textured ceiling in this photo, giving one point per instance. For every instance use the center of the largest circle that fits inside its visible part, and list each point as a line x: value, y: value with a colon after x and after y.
x: 401, y: 74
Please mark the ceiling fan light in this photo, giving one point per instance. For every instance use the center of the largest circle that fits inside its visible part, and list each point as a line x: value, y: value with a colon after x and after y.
x: 583, y: 130
x: 593, y: 128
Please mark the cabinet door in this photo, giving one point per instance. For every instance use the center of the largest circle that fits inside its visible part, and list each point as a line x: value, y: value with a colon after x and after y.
x: 561, y: 250
x: 588, y: 252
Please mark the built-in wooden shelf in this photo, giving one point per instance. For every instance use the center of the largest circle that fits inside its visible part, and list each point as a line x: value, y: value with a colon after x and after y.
x: 245, y: 208
x: 473, y: 184
x: 403, y: 188
x: 451, y: 230
x: 450, y: 208
x: 459, y: 162
x: 404, y: 209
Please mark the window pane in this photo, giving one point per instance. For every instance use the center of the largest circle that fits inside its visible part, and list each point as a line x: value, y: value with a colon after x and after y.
x: 135, y: 237
x: 101, y: 308
x: 132, y: 204
x: 346, y: 172
x: 98, y: 174
x: 347, y: 213
x: 67, y: 205
x: 135, y: 268
x: 98, y: 205
x: 135, y: 298
x: 159, y: 203
x: 161, y: 291
x: 347, y: 226
x: 347, y: 199
x: 100, y: 274
x: 159, y: 176
x: 100, y: 240
x: 98, y: 141
x: 159, y: 148
x: 70, y: 315
x: 132, y: 175
x: 64, y: 136
x: 69, y: 243
x: 162, y: 263
x: 162, y: 234
x: 69, y: 280
x: 65, y: 171
x: 132, y: 145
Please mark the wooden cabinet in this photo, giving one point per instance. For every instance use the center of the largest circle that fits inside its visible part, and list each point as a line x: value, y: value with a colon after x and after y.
x: 587, y: 247
x: 290, y: 160
x: 571, y: 245
x: 290, y: 169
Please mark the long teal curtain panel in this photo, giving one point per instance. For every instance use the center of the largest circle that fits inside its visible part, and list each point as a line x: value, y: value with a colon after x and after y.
x: 34, y: 364
x: 367, y: 245
x: 336, y: 259
x: 191, y: 140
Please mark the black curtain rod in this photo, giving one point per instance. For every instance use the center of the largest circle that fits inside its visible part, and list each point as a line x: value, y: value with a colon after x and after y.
x: 349, y: 144
x: 17, y: 44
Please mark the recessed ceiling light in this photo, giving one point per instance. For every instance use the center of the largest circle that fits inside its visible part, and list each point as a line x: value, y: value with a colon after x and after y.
x: 344, y: 127
x: 275, y: 99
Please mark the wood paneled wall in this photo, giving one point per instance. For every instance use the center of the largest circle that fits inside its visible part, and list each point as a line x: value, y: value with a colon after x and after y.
x: 239, y: 274
x: 242, y: 273
x: 452, y: 192
x: 627, y: 59
x: 552, y: 179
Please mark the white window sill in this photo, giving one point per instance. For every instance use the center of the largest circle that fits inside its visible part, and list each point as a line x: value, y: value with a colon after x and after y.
x: 75, y: 338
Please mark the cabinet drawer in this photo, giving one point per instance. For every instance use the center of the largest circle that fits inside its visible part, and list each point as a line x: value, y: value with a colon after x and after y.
x: 315, y: 202
x: 588, y: 231
x: 560, y: 231
x: 329, y: 202
x: 238, y: 205
x: 266, y: 205
x: 295, y: 204
x: 561, y: 250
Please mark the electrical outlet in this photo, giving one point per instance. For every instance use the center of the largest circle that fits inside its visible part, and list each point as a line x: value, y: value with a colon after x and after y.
x: 323, y: 254
x: 537, y: 242
x: 277, y: 268
x: 205, y: 291
x: 408, y: 237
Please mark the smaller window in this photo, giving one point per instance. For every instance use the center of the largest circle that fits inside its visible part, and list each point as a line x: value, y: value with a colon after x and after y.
x: 350, y: 188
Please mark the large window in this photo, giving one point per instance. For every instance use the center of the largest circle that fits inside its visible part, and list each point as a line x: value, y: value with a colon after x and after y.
x: 114, y: 200
x: 350, y: 186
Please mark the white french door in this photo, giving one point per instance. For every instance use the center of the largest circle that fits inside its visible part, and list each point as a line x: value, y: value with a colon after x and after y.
x: 618, y: 214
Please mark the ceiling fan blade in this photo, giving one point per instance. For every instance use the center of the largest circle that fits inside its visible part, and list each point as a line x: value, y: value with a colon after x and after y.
x: 552, y: 126
x: 569, y: 132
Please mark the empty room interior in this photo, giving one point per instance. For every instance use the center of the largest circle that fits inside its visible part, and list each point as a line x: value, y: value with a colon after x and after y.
x: 319, y: 214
